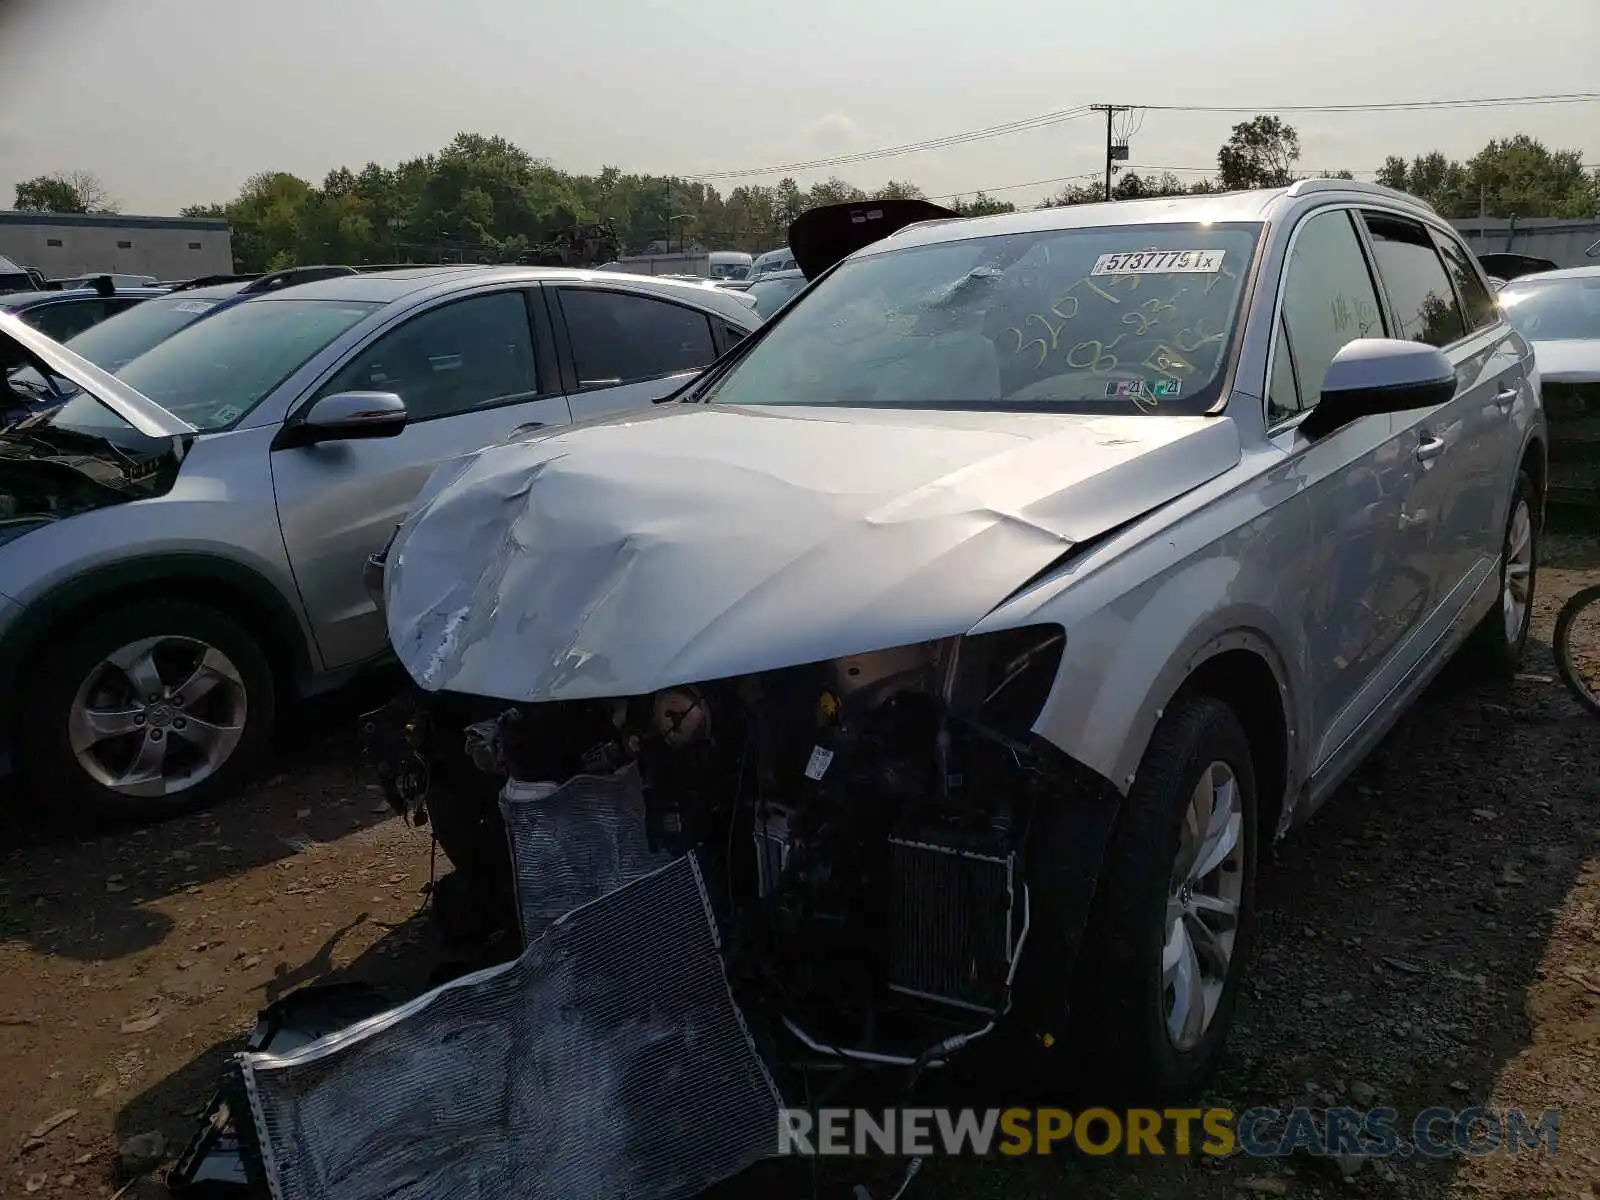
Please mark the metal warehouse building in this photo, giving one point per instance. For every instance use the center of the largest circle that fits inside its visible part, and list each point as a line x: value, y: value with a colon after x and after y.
x: 60, y: 244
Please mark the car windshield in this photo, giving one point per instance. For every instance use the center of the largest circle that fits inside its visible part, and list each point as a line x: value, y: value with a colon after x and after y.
x: 217, y: 370
x: 118, y: 340
x: 1553, y: 310
x: 729, y: 270
x: 1112, y: 319
x: 771, y: 294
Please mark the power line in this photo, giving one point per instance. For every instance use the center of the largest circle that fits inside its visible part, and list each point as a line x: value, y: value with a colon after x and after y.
x: 1395, y: 106
x: 1069, y: 114
x: 939, y: 143
x: 1010, y: 187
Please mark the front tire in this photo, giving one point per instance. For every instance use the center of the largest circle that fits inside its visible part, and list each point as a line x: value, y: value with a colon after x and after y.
x: 1174, y: 912
x: 149, y: 711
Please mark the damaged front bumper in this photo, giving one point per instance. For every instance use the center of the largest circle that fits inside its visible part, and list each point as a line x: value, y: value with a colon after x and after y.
x: 730, y: 886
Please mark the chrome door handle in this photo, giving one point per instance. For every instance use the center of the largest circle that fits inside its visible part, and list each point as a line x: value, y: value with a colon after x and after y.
x: 1505, y: 398
x: 1429, y: 448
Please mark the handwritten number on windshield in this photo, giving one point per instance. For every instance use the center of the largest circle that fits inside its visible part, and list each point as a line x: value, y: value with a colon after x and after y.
x: 1168, y: 361
x: 1094, y: 355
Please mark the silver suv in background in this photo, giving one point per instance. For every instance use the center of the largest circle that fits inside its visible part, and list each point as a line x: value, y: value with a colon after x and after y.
x: 182, y: 544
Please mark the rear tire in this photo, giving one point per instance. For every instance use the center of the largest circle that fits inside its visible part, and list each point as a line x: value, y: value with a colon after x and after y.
x: 1495, y: 646
x: 148, y: 711
x: 1172, y: 925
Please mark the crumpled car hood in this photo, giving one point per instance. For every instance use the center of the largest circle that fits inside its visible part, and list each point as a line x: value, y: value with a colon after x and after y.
x: 1575, y: 360
x: 689, y: 542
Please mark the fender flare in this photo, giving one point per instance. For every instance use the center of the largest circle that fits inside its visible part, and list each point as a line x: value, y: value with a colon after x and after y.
x: 288, y: 646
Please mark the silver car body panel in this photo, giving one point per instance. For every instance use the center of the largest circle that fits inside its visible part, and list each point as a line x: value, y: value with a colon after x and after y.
x: 579, y: 564
x: 300, y: 521
x: 1572, y: 361
x: 133, y: 406
x: 692, y: 545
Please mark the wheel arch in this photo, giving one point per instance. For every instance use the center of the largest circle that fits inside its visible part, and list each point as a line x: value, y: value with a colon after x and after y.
x: 1241, y: 670
x: 1536, y: 462
x: 232, y: 588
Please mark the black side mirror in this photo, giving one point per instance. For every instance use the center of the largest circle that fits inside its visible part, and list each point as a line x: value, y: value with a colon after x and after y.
x: 344, y: 417
x: 1379, y: 375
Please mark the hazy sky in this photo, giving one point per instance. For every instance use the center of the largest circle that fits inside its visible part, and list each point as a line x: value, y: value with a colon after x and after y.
x: 174, y: 102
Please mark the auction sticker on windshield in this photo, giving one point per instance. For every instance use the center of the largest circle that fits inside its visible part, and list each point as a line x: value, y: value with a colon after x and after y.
x: 1159, y: 262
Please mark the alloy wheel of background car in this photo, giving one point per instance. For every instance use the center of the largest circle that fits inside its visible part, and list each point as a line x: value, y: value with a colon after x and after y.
x: 158, y: 715
x: 148, y: 709
x: 1203, y: 906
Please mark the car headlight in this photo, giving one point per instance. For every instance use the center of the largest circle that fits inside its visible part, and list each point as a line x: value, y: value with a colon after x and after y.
x: 1003, y: 679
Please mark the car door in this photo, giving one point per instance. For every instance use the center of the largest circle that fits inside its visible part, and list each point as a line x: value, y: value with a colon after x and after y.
x: 627, y: 349
x: 1367, y: 590
x: 470, y: 370
x: 1505, y: 390
x: 1455, y: 502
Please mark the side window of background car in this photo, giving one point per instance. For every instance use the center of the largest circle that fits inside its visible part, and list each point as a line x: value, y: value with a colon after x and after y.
x: 61, y: 321
x: 618, y: 338
x: 463, y: 355
x: 1328, y: 300
x: 1476, y: 301
x: 1424, y: 303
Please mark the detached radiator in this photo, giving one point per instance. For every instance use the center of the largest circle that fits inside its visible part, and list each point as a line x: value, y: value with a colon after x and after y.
x: 952, y: 924
x: 608, y: 1060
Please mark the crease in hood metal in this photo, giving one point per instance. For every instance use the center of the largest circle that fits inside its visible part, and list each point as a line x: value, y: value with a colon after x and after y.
x: 690, y: 542
x: 132, y: 405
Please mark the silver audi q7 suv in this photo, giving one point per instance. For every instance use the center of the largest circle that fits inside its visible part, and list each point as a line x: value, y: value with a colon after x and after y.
x: 182, y: 544
x: 980, y: 620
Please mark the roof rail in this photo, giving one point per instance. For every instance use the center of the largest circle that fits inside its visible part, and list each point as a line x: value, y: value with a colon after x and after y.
x: 366, y: 268
x: 211, y: 281
x: 1305, y: 187
x: 290, y: 276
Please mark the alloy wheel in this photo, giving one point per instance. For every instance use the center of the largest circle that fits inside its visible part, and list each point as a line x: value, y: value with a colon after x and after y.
x: 1518, y: 571
x: 157, y: 716
x: 1202, y: 913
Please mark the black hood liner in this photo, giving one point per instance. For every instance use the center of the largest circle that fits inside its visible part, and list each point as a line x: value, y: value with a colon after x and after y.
x: 822, y: 236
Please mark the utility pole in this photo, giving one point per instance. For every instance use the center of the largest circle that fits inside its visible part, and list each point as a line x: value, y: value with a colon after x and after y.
x: 1111, y: 110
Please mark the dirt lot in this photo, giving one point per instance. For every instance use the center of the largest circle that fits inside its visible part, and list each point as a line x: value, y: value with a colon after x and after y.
x: 1433, y: 938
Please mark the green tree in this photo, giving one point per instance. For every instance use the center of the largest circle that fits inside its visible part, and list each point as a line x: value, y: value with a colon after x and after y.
x: 64, y: 192
x: 981, y: 205
x: 897, y: 189
x: 1261, y: 152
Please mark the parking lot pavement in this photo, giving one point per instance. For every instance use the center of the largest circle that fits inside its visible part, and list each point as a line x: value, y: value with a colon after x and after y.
x: 1433, y: 938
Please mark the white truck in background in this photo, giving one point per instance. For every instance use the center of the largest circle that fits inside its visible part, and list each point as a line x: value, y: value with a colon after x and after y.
x: 716, y: 265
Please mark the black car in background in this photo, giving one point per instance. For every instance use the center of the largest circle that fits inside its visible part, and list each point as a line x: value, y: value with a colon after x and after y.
x: 66, y: 313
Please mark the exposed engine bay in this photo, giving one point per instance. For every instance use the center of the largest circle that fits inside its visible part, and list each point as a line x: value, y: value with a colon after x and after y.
x: 861, y: 824
x: 49, y: 472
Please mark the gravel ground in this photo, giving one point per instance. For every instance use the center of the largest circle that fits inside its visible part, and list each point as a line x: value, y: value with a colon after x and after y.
x: 1430, y: 939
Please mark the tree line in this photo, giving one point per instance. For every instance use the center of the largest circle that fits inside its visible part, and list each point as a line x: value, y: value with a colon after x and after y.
x: 485, y: 199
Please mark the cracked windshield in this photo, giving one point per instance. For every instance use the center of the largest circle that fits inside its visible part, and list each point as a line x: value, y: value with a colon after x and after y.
x: 1116, y: 319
